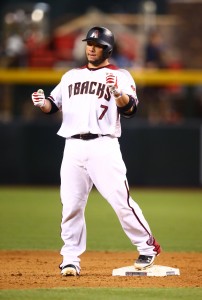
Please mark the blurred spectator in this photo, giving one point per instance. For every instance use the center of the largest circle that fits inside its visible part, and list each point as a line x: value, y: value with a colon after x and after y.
x: 78, y: 51
x: 161, y: 103
x: 120, y: 59
x: 14, y: 51
x: 154, y: 51
x: 153, y: 54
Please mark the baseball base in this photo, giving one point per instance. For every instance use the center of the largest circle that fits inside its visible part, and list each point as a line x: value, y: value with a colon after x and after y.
x: 157, y: 271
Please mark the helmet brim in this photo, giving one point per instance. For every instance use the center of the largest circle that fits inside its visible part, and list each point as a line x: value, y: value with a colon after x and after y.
x: 98, y: 41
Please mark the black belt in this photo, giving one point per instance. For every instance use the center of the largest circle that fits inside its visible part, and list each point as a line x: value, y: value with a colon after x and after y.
x: 86, y: 136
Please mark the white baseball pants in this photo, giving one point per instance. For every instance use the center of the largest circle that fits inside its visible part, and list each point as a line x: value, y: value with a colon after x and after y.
x: 99, y: 162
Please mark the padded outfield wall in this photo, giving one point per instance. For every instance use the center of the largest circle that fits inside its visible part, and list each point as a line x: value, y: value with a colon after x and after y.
x: 160, y: 155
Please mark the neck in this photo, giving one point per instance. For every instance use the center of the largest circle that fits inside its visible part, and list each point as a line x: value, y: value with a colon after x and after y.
x: 101, y: 65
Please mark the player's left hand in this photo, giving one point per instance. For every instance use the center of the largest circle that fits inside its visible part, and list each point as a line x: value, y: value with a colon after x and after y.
x: 111, y: 82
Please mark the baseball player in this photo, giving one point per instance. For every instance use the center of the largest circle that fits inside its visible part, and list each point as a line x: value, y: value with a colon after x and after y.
x: 92, y: 99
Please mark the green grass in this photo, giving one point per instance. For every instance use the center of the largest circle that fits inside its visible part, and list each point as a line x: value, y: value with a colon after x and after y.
x: 103, y: 293
x: 30, y: 219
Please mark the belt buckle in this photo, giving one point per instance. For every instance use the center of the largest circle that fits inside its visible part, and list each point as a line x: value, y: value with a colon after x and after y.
x: 83, y: 136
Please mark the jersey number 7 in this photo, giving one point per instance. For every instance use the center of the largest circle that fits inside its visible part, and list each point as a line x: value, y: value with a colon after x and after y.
x: 105, y: 108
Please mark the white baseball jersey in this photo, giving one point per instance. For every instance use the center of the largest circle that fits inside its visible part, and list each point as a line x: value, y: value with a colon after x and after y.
x: 86, y: 103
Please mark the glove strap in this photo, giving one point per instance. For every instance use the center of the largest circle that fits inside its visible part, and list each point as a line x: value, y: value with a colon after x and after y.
x: 117, y: 97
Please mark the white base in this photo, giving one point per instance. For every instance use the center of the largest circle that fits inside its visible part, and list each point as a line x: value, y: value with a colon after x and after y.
x: 155, y: 270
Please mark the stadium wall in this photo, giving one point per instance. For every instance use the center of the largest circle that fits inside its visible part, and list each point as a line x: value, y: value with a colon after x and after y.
x: 168, y: 155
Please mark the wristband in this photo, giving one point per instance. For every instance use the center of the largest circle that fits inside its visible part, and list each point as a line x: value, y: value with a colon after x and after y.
x: 54, y: 107
x: 130, y: 104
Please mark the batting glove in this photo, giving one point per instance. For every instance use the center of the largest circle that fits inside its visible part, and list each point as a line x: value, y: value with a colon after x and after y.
x: 111, y: 82
x: 38, y: 98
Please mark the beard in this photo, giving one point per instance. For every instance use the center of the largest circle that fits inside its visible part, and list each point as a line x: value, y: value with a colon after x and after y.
x: 97, y: 62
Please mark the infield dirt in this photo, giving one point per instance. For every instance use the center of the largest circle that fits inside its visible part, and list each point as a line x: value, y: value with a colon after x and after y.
x: 39, y: 269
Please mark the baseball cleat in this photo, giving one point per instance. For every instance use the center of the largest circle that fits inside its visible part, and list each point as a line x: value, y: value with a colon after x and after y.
x: 69, y: 270
x: 144, y: 261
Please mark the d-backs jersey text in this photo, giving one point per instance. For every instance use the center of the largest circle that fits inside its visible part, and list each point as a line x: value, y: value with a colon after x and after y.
x: 86, y: 103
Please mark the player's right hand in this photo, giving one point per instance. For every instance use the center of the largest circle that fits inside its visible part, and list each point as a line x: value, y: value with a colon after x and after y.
x: 38, y: 98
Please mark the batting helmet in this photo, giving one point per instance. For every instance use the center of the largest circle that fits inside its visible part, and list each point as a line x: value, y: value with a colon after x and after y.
x: 102, y: 36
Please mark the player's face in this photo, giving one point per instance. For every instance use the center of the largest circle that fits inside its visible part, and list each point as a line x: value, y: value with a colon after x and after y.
x: 94, y: 53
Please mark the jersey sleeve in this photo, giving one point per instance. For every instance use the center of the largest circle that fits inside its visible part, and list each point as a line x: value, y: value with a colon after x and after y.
x: 56, y: 96
x: 127, y: 85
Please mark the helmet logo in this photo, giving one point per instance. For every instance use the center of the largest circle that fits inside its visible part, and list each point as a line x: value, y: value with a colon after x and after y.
x: 95, y: 34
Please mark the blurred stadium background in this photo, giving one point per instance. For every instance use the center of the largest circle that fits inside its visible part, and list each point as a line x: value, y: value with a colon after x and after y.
x: 159, y: 42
